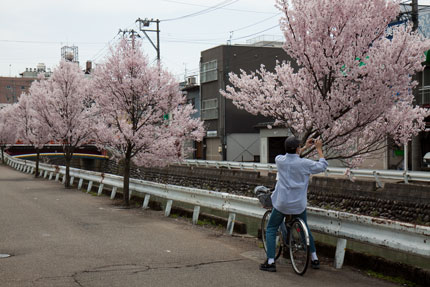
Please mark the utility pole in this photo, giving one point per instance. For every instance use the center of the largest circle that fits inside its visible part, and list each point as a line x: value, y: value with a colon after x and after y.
x: 133, y: 34
x: 146, y: 23
x: 414, y: 15
x: 416, y: 154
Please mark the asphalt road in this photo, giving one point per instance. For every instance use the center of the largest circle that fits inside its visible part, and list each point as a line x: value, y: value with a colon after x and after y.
x: 60, y: 237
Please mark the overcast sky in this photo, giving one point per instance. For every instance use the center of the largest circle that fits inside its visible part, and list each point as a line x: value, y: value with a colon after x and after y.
x: 33, y: 31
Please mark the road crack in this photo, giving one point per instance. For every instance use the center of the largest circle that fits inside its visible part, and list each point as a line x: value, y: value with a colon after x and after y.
x: 189, y: 265
x: 131, y: 268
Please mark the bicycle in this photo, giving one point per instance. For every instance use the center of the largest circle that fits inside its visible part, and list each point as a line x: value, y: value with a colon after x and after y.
x: 293, y: 235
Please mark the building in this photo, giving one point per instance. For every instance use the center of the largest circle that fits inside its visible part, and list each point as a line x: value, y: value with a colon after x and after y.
x: 232, y: 134
x: 36, y: 72
x: 12, y: 87
x: 191, y: 90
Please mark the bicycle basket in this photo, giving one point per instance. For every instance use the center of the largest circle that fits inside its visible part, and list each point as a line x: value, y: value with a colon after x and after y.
x: 264, y: 196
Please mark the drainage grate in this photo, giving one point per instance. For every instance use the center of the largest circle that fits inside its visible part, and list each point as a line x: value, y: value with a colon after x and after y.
x: 4, y: 255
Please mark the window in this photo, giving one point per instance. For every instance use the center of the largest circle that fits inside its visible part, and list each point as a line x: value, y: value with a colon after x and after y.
x: 22, y: 88
x: 192, y: 102
x: 208, y: 71
x: 210, y: 109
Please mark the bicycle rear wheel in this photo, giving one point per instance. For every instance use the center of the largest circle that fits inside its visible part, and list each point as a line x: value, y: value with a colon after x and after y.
x: 278, y: 245
x: 299, y: 246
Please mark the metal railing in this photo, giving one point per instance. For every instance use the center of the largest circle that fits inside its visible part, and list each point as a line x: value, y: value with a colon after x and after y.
x: 397, y: 235
x: 400, y: 175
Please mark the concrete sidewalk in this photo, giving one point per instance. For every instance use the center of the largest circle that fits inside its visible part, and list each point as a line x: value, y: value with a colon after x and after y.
x: 61, y: 237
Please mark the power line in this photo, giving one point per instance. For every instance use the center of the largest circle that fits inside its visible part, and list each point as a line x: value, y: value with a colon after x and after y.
x: 99, y: 53
x: 253, y: 34
x: 204, y: 11
x: 172, y: 39
x: 256, y: 23
x: 230, y: 9
x: 231, y: 31
x: 49, y: 42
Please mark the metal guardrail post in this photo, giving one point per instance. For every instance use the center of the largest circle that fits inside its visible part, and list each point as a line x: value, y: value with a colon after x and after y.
x: 51, y: 174
x: 64, y: 179
x: 81, y: 181
x: 405, y: 176
x: 90, y: 184
x: 146, y: 201
x: 99, y: 192
x: 230, y: 223
x: 57, y: 176
x: 72, y: 178
x: 378, y: 182
x: 168, y: 207
x: 196, y: 214
x: 340, y: 253
x: 113, y: 193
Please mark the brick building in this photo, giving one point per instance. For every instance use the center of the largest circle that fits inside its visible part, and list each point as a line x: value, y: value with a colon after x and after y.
x: 12, y: 87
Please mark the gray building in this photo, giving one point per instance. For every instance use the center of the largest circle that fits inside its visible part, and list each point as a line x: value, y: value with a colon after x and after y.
x: 192, y: 91
x: 232, y: 134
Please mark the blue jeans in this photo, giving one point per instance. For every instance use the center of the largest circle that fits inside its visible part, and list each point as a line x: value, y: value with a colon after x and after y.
x: 275, y: 220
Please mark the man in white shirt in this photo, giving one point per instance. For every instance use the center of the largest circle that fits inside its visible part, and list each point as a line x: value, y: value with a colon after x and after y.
x: 290, y: 195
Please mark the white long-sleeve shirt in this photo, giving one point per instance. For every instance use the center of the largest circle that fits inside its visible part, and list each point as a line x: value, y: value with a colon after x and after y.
x: 290, y: 195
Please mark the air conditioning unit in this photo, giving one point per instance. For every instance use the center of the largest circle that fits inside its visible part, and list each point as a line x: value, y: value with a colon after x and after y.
x: 191, y: 81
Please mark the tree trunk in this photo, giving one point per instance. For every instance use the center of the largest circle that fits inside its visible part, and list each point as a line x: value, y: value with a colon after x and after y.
x: 68, y: 157
x: 67, y: 183
x: 37, y: 162
x: 126, y: 186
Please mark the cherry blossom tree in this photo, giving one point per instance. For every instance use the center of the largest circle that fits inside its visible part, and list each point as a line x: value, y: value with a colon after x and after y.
x: 143, y: 115
x: 7, y: 128
x: 63, y: 108
x: 29, y: 129
x: 353, y: 85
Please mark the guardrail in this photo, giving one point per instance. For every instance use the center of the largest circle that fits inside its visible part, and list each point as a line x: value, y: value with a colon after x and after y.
x: 405, y: 176
x: 401, y: 236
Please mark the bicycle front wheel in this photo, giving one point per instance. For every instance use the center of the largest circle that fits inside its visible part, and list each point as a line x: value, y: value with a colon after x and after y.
x: 299, y: 246
x: 278, y: 243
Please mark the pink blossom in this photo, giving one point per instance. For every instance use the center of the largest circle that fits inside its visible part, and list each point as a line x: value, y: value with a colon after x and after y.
x: 63, y: 108
x: 142, y: 115
x: 353, y: 85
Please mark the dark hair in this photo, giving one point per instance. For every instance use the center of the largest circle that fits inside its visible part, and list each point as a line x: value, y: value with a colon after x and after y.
x: 291, y: 144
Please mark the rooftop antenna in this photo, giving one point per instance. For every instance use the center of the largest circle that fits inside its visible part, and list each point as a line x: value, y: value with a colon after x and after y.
x: 231, y: 36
